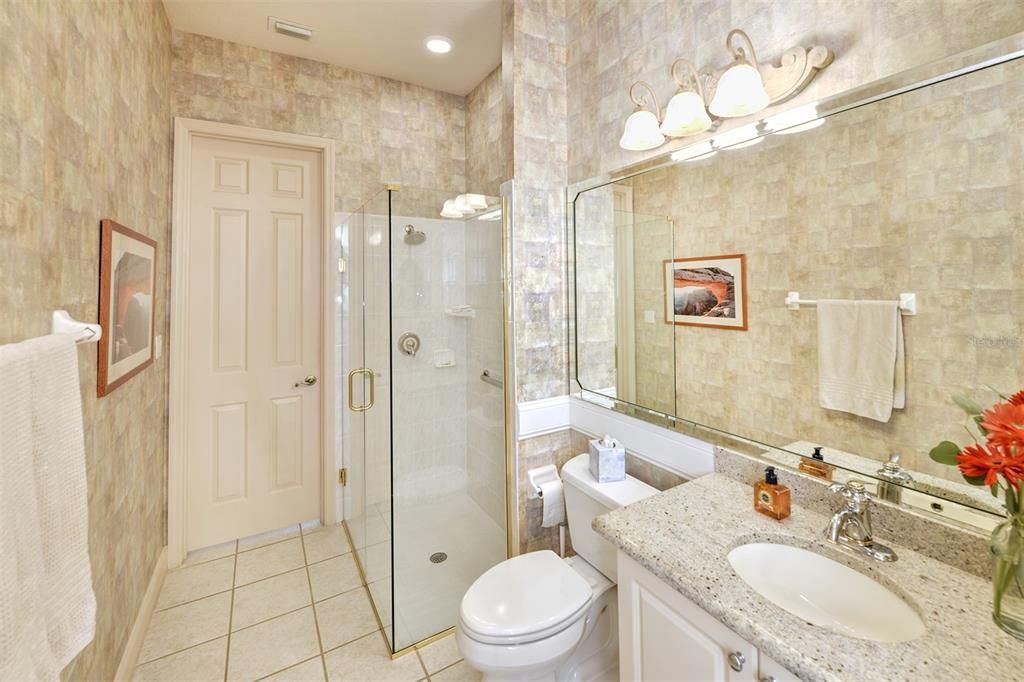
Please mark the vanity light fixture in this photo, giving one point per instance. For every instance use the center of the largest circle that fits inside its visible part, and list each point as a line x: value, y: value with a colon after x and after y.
x: 686, y: 113
x: 642, y: 130
x: 490, y: 215
x: 450, y: 210
x: 740, y: 89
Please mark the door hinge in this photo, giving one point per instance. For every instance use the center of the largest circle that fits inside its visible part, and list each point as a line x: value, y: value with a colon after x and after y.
x: 341, y: 264
x: 343, y: 476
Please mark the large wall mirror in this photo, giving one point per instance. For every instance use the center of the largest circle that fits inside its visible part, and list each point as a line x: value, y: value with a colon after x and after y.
x: 681, y: 270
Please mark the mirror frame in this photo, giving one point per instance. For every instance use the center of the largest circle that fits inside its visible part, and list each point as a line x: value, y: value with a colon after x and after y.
x: 991, y: 54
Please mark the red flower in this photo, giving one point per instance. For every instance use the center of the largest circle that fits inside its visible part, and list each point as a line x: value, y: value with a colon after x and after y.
x: 1017, y: 398
x: 989, y: 461
x: 1005, y: 425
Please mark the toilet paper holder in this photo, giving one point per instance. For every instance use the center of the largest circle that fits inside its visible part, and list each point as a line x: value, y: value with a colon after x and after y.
x: 544, y: 474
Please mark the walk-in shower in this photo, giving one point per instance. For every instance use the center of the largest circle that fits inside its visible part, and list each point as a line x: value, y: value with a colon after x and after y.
x: 423, y: 419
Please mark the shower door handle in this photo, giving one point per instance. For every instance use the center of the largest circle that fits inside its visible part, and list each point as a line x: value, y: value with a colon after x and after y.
x: 351, y: 380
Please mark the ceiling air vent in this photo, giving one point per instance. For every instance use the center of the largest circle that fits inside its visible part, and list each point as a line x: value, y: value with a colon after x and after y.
x: 288, y: 28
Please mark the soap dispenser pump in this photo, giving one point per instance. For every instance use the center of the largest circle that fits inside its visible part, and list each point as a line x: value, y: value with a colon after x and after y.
x: 771, y: 498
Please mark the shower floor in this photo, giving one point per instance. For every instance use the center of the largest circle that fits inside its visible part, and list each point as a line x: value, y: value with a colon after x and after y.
x: 428, y: 594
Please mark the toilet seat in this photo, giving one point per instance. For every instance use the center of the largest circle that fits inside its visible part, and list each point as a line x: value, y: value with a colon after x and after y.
x: 525, y: 599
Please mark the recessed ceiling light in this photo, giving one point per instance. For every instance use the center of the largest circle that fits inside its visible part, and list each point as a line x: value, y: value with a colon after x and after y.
x: 438, y: 44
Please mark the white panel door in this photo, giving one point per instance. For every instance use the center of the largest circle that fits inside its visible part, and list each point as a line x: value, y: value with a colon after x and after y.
x: 254, y: 450
x: 665, y: 637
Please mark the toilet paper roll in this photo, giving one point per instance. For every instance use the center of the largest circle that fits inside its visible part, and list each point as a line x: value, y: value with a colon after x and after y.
x: 554, y: 506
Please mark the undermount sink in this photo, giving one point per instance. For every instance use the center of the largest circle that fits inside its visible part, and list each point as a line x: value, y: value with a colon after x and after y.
x: 825, y: 593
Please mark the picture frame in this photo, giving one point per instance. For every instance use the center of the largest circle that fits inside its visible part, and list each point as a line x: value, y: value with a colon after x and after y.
x: 127, y: 305
x: 707, y: 291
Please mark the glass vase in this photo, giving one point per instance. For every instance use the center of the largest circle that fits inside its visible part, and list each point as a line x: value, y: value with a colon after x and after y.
x: 1008, y: 577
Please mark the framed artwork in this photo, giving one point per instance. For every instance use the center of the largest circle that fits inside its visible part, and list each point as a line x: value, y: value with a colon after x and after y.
x: 709, y: 291
x: 127, y: 300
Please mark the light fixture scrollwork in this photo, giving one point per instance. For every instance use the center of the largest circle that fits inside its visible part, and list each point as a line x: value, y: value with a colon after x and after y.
x: 795, y: 70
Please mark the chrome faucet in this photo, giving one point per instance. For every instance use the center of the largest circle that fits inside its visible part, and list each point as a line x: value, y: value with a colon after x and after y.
x: 851, y: 526
x: 891, y: 480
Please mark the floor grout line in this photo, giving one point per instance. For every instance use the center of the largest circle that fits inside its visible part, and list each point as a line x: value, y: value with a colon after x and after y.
x: 193, y: 601
x: 231, y: 615
x: 312, y: 599
x: 190, y: 646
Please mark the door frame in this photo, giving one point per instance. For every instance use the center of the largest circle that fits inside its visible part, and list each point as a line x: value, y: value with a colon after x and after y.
x: 185, y: 131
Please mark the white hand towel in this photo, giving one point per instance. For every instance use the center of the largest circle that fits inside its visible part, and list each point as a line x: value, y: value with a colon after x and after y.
x: 24, y: 644
x: 554, y: 503
x: 861, y: 365
x: 53, y: 543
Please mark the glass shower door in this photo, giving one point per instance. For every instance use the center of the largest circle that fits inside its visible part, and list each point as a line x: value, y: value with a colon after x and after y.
x: 368, y: 412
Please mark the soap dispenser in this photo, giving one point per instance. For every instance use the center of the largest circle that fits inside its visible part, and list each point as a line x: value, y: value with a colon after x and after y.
x: 815, y: 465
x: 771, y: 498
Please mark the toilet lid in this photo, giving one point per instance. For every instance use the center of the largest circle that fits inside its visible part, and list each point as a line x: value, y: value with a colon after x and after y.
x: 527, y: 594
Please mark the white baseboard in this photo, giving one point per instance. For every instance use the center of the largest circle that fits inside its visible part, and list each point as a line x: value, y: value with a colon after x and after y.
x: 130, y: 657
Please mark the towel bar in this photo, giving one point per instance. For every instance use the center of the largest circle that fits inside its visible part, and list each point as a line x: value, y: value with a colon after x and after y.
x: 487, y: 378
x: 907, y: 302
x: 62, y: 323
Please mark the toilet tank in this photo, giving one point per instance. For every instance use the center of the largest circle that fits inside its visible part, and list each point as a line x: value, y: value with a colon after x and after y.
x: 585, y: 500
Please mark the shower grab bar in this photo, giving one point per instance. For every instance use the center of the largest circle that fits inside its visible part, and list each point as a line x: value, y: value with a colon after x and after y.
x: 485, y: 376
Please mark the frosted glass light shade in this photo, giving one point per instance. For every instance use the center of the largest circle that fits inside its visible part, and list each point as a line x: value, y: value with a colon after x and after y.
x: 641, y: 132
x: 450, y: 210
x: 476, y: 202
x: 685, y: 115
x: 740, y: 92
x: 462, y: 204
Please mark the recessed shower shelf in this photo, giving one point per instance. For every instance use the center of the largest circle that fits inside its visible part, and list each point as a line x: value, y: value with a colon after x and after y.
x: 460, y: 311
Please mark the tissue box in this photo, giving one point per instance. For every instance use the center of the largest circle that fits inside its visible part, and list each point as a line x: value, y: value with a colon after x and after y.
x: 607, y: 464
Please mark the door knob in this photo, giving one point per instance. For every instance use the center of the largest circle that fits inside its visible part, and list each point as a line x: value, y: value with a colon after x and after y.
x: 308, y: 381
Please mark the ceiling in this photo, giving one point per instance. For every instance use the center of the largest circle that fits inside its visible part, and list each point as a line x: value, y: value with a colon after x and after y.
x: 381, y: 37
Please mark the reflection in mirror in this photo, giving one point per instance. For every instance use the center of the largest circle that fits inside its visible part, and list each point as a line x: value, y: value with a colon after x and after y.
x: 921, y: 192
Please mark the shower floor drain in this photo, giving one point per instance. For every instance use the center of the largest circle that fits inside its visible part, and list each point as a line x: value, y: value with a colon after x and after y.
x: 438, y: 557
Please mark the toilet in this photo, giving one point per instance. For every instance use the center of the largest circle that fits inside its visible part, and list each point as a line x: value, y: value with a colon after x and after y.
x: 539, y: 617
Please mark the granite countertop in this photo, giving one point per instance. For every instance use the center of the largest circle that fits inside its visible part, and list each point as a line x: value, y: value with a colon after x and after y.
x: 684, y: 534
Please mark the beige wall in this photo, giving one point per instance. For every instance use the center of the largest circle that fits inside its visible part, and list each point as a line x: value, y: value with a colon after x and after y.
x: 85, y: 134
x: 485, y: 132
x: 386, y: 131
x: 892, y: 197
x: 617, y: 43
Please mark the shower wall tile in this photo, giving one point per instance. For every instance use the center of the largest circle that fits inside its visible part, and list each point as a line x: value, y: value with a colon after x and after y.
x: 615, y: 44
x: 85, y: 128
x: 485, y: 132
x: 385, y: 131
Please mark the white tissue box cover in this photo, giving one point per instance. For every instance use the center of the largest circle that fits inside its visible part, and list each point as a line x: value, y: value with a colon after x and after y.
x: 607, y: 464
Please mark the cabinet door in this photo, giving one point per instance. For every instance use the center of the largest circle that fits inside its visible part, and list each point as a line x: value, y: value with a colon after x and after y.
x: 773, y: 671
x: 665, y: 637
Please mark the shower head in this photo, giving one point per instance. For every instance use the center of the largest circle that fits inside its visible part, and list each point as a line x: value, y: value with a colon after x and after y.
x: 414, y: 236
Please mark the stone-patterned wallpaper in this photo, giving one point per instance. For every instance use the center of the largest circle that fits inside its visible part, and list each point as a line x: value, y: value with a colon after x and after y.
x: 616, y: 43
x: 386, y: 131
x: 85, y: 127
x: 879, y: 200
x: 485, y: 149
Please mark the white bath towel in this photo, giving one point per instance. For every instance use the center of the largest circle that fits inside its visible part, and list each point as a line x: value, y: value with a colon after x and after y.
x: 48, y: 611
x: 861, y: 364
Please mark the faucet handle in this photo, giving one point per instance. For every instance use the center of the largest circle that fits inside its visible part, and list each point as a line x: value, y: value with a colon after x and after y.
x: 854, y: 492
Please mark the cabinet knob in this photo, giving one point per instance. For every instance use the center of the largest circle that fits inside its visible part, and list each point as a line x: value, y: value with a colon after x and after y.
x: 736, y: 661
x: 767, y: 678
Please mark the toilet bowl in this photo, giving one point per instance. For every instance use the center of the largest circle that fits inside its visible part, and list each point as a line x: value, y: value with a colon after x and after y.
x: 539, y: 617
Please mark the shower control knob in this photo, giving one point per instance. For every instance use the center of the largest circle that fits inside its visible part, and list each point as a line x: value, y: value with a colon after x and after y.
x: 409, y: 344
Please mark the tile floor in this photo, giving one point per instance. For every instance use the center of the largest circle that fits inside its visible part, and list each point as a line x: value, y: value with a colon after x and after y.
x: 285, y: 605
